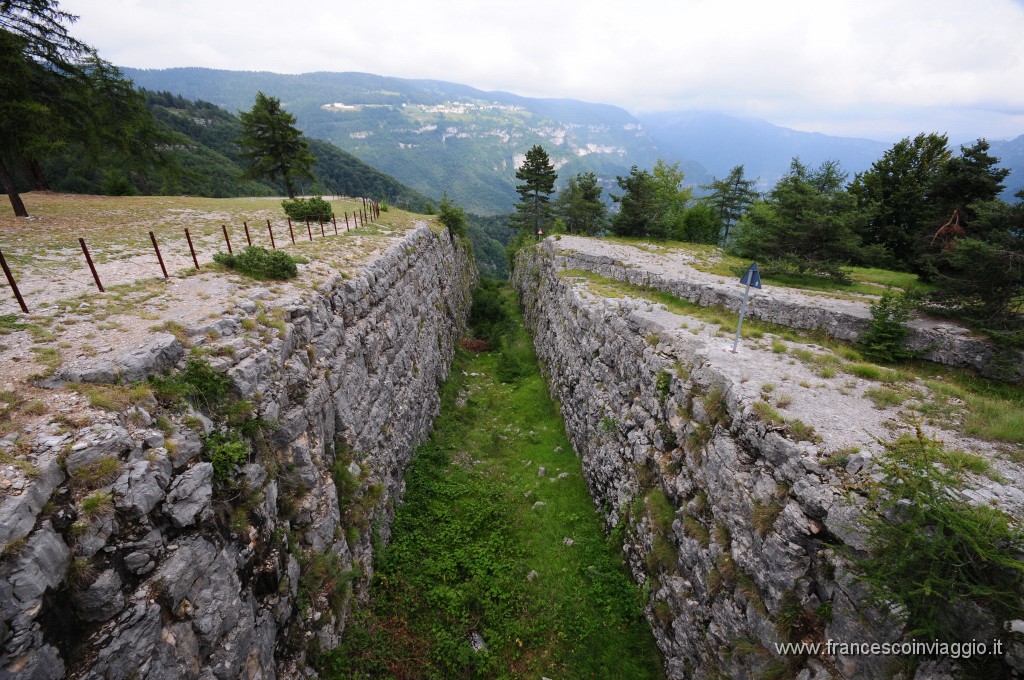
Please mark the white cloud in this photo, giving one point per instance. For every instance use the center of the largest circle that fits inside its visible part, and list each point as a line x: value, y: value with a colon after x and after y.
x: 898, y: 66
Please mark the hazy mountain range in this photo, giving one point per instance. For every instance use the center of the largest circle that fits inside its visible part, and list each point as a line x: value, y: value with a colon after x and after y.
x: 436, y: 136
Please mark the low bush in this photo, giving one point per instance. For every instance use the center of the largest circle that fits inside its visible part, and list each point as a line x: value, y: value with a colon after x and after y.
x: 313, y: 209
x: 260, y: 263
x: 883, y: 341
x: 227, y: 452
x: 198, y: 384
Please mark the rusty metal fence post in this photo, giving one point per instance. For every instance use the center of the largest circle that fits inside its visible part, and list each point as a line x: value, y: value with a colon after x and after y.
x: 10, y: 280
x: 92, y: 267
x: 191, y: 248
x: 159, y: 257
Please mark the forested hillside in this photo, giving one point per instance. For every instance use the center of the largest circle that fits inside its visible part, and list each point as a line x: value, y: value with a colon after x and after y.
x: 202, y: 158
x: 435, y: 136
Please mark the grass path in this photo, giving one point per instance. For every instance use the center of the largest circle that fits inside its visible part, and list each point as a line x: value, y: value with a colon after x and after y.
x: 486, y: 549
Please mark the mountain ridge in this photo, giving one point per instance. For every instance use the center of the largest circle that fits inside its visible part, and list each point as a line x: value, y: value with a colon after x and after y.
x: 435, y: 135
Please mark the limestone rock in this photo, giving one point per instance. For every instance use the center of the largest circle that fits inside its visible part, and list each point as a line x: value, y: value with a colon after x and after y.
x: 189, y: 494
x: 102, y: 600
x: 137, y: 491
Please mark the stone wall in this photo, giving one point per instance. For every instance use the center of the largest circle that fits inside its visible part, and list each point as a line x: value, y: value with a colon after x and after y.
x: 123, y: 558
x: 740, y: 532
x: 944, y: 343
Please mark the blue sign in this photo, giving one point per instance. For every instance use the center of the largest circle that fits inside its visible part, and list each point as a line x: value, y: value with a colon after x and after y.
x: 752, y: 277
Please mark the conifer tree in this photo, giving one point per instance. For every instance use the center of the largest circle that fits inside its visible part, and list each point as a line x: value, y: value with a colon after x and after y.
x: 805, y: 225
x: 730, y: 198
x: 273, y: 145
x: 580, y: 206
x: 537, y: 175
x: 58, y: 97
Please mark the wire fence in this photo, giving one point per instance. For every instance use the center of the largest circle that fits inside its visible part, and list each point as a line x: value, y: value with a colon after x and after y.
x: 370, y: 212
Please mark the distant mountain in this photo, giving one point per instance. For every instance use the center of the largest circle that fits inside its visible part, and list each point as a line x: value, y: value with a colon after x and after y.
x: 205, y: 160
x: 212, y: 163
x: 1011, y: 155
x: 436, y: 136
x: 720, y: 142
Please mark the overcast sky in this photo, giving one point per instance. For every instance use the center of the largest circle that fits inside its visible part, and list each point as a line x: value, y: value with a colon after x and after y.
x: 882, y: 69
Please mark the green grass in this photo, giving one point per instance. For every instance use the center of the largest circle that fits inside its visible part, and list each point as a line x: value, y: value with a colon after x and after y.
x: 712, y: 260
x: 469, y: 534
x: 887, y: 278
x: 990, y: 410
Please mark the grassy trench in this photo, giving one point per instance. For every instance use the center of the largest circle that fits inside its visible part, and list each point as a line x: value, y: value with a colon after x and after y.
x: 485, y: 549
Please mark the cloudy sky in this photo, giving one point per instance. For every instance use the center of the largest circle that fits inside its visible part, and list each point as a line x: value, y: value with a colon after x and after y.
x: 882, y: 69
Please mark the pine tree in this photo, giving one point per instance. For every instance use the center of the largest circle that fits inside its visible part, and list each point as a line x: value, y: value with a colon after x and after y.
x: 580, y: 207
x: 805, y: 225
x: 537, y: 175
x: 638, y: 207
x: 730, y: 198
x: 37, y: 55
x: 272, y: 144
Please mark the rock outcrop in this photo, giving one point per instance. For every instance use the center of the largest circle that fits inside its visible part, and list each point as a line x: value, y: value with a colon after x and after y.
x: 125, y: 556
x: 740, y: 525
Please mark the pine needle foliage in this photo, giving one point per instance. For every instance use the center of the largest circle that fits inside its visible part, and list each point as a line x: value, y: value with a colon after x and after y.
x: 932, y: 553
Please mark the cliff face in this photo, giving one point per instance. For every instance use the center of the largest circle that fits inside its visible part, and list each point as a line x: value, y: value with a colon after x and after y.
x: 125, y: 555
x: 740, y: 525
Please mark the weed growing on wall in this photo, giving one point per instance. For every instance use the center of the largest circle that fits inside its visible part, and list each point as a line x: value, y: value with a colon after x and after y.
x: 238, y: 433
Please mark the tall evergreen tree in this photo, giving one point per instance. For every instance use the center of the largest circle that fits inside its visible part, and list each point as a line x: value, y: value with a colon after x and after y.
x: 972, y: 177
x: 730, y: 197
x: 638, y: 206
x: 272, y: 145
x: 980, y: 275
x: 58, y: 97
x: 670, y: 198
x: 537, y: 177
x: 894, y: 194
x: 580, y: 206
x: 917, y: 187
x: 804, y: 225
x: 654, y: 203
x: 37, y: 54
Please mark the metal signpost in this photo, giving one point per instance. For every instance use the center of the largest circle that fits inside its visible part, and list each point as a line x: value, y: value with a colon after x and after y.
x: 752, y: 278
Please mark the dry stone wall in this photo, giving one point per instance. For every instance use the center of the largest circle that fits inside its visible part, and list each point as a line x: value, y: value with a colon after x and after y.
x: 942, y: 342
x: 166, y: 574
x: 740, y: 533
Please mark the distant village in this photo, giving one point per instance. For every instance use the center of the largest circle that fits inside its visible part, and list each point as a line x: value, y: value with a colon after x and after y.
x: 457, y: 108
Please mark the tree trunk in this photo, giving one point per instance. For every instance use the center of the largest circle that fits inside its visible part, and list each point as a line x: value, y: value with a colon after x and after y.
x: 12, y: 192
x: 35, y: 175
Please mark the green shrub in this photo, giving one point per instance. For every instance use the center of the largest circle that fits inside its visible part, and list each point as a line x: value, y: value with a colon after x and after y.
x: 489, y: 318
x: 260, y: 263
x: 883, y: 340
x: 198, y: 384
x: 931, y: 551
x: 510, y: 366
x: 662, y: 385
x: 313, y: 209
x: 227, y: 452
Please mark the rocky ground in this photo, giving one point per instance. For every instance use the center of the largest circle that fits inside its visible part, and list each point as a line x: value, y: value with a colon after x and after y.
x: 108, y: 515
x: 837, y: 403
x: 740, y: 479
